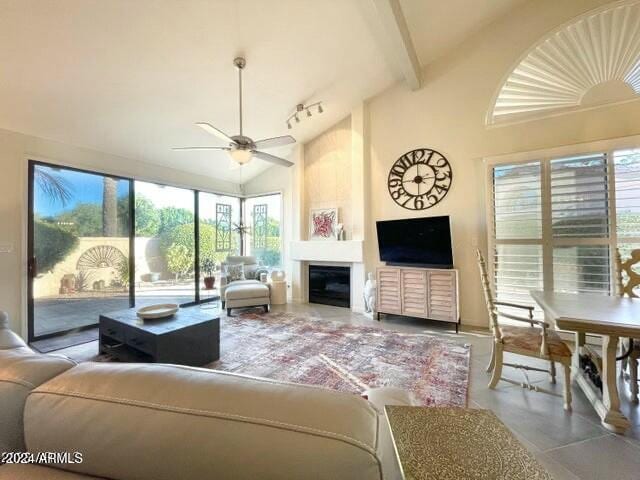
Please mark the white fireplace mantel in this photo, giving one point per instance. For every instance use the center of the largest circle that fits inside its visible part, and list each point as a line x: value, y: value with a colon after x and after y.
x: 348, y: 251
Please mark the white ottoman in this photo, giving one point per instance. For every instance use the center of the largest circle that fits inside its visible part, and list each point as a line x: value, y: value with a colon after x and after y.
x: 246, y: 293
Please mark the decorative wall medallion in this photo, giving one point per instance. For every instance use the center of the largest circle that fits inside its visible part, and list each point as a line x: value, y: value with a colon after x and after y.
x: 101, y: 256
x: 420, y: 179
x: 323, y: 222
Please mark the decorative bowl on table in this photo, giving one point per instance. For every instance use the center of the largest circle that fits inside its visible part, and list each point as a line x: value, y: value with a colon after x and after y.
x: 154, y: 312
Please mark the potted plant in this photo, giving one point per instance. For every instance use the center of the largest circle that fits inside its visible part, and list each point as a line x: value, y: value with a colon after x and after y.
x: 208, y: 267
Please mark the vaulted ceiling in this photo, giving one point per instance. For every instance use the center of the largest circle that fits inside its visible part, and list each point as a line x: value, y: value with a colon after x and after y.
x: 131, y: 77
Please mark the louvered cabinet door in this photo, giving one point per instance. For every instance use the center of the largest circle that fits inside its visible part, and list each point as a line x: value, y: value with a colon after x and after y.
x: 414, y: 293
x: 442, y: 293
x: 389, y: 288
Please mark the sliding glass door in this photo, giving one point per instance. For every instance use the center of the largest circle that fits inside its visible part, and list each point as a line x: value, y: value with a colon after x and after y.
x: 99, y: 243
x: 165, y: 244
x: 79, y: 246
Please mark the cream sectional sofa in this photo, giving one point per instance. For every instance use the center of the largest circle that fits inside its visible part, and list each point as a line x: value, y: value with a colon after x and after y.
x: 168, y: 422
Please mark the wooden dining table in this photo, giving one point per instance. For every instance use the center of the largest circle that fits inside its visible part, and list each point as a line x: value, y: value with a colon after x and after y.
x: 607, y: 316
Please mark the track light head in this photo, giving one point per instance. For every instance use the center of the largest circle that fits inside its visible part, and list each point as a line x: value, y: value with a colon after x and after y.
x: 289, y: 125
x: 308, y: 112
x: 297, y: 118
x: 320, y: 109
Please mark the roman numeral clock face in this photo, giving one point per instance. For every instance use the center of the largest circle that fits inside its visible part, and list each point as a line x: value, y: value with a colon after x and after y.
x: 420, y: 179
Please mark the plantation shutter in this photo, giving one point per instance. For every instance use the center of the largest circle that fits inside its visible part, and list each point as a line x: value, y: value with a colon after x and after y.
x: 627, y: 181
x: 580, y: 224
x: 517, y: 232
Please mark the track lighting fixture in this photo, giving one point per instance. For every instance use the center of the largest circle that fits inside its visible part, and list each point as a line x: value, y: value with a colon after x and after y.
x: 300, y: 108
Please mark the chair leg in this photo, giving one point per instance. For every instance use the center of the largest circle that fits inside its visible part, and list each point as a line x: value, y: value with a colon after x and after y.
x: 552, y: 371
x: 491, y: 359
x: 567, y: 387
x: 497, y: 365
x: 266, y: 308
x: 228, y: 312
x: 625, y: 361
x: 633, y: 376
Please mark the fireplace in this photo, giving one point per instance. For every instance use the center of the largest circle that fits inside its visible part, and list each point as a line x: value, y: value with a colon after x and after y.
x: 330, y: 285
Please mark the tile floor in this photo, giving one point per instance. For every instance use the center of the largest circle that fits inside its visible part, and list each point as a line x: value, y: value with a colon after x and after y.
x: 570, y: 445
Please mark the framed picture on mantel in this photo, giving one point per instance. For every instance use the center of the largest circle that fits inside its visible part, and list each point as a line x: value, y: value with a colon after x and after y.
x: 323, y: 223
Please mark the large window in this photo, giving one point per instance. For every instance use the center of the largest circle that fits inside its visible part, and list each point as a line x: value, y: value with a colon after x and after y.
x: 556, y: 222
x: 99, y: 243
x: 78, y: 248
x: 262, y: 239
x: 219, y: 237
x: 165, y: 244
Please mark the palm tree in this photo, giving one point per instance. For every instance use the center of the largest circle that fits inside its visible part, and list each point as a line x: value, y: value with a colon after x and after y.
x: 53, y: 184
x: 110, y: 207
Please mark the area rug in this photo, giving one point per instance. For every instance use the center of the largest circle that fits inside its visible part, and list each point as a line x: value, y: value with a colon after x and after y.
x: 346, y: 357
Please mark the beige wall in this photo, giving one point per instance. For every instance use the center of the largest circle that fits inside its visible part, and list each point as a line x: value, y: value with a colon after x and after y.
x: 448, y: 114
x: 327, y: 174
x: 15, y: 150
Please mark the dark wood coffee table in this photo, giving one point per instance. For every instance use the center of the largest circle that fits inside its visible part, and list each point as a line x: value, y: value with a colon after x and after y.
x: 190, y: 337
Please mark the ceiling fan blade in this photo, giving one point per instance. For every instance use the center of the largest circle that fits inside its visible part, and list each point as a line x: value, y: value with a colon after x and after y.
x: 207, y: 127
x: 187, y: 149
x: 267, y: 157
x: 275, y: 142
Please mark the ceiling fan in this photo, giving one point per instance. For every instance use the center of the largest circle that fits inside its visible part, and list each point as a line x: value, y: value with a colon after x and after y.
x: 240, y: 147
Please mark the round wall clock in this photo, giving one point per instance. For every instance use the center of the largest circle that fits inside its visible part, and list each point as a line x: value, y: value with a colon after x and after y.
x: 420, y: 179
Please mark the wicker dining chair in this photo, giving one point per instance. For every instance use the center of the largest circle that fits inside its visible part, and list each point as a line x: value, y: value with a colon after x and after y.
x: 535, y: 341
x: 631, y: 346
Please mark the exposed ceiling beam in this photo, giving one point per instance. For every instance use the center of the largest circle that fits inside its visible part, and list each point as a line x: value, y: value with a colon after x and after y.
x: 399, y: 39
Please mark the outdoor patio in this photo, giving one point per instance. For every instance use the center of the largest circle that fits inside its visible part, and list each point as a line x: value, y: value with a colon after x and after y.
x: 63, y: 313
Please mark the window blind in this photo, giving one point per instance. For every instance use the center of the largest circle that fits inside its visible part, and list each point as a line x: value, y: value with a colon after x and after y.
x: 517, y: 211
x: 517, y: 201
x: 580, y: 224
x: 555, y: 225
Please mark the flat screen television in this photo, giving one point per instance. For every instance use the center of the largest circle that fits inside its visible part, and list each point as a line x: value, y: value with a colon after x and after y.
x: 424, y: 242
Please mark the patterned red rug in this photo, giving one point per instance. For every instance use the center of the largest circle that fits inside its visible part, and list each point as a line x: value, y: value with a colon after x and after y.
x: 350, y: 358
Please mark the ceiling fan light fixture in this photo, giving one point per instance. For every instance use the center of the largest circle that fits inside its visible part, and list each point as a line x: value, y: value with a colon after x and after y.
x: 241, y: 155
x: 241, y: 148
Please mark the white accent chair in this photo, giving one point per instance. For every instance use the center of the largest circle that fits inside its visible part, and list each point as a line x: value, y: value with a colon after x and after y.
x: 247, y: 292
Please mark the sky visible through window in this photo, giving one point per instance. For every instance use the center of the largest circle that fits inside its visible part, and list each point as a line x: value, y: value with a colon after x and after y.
x: 84, y: 188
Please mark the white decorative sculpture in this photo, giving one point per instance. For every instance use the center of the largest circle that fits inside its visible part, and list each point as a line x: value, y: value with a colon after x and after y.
x: 370, y: 293
x: 338, y: 231
x: 4, y: 320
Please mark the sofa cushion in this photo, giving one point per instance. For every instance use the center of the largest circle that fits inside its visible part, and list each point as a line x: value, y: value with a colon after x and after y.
x: 162, y: 422
x: 21, y: 370
x: 235, y: 272
x: 246, y: 289
x: 8, y: 339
